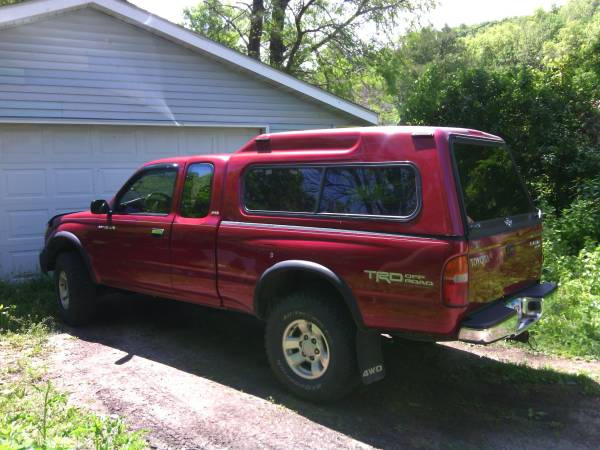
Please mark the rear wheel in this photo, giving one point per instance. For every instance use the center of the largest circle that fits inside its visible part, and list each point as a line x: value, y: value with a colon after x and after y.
x: 310, y: 343
x: 75, y: 291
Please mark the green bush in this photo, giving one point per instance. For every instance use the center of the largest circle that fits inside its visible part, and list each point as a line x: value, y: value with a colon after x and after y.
x: 571, y: 322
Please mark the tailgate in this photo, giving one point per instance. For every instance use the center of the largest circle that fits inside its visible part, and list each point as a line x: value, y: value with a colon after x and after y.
x: 502, y: 264
x: 503, y: 227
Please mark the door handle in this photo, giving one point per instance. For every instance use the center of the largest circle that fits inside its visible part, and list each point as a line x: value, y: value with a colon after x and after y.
x: 158, y: 232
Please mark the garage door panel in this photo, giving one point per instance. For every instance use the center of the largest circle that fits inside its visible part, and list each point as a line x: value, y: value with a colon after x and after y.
x: 116, y: 143
x: 26, y: 224
x: 53, y: 169
x: 159, y: 143
x: 25, y: 183
x: 22, y: 262
x: 70, y: 182
x: 70, y: 144
x: 24, y: 144
x: 197, y: 142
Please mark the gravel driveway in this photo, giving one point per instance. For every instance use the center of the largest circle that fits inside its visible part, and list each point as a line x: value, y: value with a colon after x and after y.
x: 199, y: 378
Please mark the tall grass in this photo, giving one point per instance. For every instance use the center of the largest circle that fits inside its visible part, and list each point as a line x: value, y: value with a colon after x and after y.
x: 571, y: 322
x: 33, y: 414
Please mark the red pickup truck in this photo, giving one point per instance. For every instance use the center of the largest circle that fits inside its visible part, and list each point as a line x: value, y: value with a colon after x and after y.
x: 333, y: 237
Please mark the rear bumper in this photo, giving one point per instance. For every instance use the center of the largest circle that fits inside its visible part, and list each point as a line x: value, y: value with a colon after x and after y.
x: 506, y: 318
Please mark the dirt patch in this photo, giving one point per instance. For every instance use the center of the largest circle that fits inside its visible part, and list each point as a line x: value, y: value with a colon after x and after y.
x: 198, y: 378
x: 536, y: 360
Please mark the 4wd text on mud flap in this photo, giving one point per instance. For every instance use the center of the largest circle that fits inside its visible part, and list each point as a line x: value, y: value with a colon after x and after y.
x: 372, y: 370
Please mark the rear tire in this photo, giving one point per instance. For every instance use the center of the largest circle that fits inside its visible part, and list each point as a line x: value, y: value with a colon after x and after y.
x: 74, y: 289
x: 310, y: 343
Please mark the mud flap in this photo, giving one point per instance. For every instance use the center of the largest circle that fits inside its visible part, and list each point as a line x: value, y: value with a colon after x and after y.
x: 369, y: 356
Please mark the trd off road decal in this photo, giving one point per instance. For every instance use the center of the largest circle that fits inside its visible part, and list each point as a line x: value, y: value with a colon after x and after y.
x: 398, y: 278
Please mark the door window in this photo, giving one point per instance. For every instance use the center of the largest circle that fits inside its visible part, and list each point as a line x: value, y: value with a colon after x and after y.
x: 195, y: 200
x: 150, y: 192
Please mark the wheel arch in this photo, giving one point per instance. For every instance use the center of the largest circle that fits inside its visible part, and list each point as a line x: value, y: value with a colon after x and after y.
x: 281, y: 274
x: 64, y: 241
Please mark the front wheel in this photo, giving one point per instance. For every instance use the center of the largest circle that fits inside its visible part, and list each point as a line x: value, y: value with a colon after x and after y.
x: 75, y: 291
x: 310, y: 343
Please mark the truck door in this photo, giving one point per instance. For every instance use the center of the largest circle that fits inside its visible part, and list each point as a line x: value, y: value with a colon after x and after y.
x: 130, y: 248
x: 194, y: 234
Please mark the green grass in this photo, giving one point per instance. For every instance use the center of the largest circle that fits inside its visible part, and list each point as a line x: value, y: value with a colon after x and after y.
x: 571, y: 322
x: 33, y: 413
x: 23, y: 305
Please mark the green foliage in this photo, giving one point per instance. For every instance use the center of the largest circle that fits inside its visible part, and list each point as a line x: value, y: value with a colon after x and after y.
x: 25, y: 305
x: 578, y: 227
x: 10, y: 2
x: 34, y: 415
x: 219, y: 21
x: 539, y: 114
x: 571, y: 322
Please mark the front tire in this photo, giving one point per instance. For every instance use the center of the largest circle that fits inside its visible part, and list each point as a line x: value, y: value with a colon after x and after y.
x: 75, y: 291
x: 310, y: 343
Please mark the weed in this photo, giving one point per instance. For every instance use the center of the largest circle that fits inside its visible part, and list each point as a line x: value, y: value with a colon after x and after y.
x: 33, y: 414
x: 571, y: 322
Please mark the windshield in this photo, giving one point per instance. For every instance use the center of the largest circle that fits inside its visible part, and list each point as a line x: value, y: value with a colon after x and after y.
x: 491, y: 186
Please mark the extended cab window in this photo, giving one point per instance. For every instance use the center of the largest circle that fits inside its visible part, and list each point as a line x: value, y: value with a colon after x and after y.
x: 150, y: 192
x: 387, y: 190
x: 282, y: 189
x: 195, y: 200
x: 490, y: 183
x: 379, y: 191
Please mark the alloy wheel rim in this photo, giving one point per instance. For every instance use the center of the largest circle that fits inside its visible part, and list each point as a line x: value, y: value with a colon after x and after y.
x: 306, y: 349
x: 63, y: 290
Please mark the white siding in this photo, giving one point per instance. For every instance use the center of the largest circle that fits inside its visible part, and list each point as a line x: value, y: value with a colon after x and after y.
x: 86, y: 65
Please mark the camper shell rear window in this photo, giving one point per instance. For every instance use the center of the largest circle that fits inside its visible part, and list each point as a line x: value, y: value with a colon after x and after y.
x: 491, y: 189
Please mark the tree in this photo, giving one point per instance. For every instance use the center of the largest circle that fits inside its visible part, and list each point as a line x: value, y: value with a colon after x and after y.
x: 540, y: 114
x: 292, y: 34
x: 10, y: 2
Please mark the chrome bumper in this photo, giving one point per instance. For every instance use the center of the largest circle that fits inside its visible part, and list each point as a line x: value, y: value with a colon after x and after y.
x: 525, y: 312
x: 506, y: 318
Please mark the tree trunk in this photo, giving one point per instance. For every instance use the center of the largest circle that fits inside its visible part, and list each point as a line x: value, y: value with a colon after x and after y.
x: 256, y: 28
x: 276, y: 46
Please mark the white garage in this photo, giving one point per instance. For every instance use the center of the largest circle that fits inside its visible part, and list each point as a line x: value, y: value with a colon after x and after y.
x: 91, y: 89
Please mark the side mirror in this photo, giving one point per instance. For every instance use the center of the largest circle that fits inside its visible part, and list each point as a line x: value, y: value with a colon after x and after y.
x: 100, y: 207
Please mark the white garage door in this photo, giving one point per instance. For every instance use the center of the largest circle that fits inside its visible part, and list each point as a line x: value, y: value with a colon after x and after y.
x: 51, y: 169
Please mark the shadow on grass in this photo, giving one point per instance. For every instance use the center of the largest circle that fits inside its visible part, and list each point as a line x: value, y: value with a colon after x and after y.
x: 433, y: 396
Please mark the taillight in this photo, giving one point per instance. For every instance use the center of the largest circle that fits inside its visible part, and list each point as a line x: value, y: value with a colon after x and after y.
x: 456, y: 282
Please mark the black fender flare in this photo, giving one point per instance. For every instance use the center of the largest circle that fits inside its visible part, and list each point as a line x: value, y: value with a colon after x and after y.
x: 60, y: 241
x: 307, y: 266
